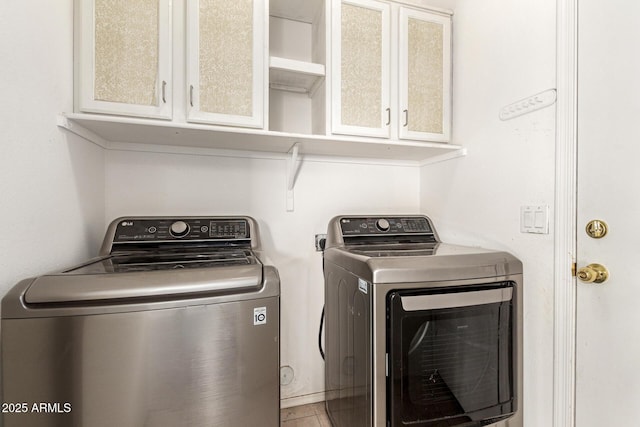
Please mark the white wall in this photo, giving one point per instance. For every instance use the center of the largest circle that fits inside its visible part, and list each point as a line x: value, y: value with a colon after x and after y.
x: 180, y: 184
x: 51, y: 184
x: 504, y: 50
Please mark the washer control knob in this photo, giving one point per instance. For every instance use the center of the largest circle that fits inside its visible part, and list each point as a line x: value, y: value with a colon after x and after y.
x: 382, y: 224
x: 179, y: 229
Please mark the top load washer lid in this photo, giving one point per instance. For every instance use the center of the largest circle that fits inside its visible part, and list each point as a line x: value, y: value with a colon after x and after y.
x: 143, y: 286
x: 167, y: 260
x: 151, y: 258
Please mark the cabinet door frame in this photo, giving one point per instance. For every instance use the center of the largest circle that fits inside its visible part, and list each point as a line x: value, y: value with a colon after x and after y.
x: 384, y: 131
x: 403, y: 72
x: 85, y: 67
x: 260, y: 85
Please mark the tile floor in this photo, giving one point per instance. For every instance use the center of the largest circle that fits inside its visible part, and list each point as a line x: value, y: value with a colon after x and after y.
x: 312, y: 415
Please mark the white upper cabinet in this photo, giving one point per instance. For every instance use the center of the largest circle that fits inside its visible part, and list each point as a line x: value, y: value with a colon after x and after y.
x: 226, y: 65
x: 368, y: 78
x: 424, y: 76
x: 360, y: 52
x: 124, y: 57
x: 391, y: 71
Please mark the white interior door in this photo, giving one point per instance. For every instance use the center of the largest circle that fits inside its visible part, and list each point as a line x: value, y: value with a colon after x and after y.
x: 608, y: 314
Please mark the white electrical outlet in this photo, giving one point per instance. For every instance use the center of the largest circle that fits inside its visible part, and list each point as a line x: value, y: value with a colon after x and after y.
x: 320, y: 241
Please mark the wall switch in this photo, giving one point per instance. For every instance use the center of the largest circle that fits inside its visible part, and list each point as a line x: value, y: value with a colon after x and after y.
x: 534, y: 219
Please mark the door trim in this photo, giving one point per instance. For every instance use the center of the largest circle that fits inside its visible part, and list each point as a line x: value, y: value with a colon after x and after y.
x: 564, y: 334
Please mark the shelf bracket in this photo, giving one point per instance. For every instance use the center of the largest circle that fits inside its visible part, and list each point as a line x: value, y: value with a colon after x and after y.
x: 63, y: 122
x: 293, y: 166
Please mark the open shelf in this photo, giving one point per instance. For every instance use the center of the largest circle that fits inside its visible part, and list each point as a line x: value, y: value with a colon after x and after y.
x: 295, y: 76
x: 105, y: 130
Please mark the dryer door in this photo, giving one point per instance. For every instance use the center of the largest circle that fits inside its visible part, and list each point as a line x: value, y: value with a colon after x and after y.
x: 451, y: 355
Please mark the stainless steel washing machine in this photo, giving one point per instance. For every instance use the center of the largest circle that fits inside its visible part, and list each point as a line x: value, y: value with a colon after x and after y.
x: 419, y: 332
x: 176, y: 323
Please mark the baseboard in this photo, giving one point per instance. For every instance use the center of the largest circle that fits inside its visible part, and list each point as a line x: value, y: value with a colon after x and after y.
x: 302, y: 400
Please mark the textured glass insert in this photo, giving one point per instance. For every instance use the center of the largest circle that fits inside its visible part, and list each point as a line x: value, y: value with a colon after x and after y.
x: 226, y: 56
x: 361, y: 67
x: 425, y: 76
x: 126, y: 51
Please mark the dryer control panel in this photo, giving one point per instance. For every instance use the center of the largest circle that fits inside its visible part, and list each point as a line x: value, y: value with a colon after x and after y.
x: 352, y: 230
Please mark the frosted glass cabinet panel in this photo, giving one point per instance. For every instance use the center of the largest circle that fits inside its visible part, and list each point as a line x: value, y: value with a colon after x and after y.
x: 390, y: 81
x: 425, y: 75
x: 124, y: 48
x: 360, y: 68
x: 226, y: 62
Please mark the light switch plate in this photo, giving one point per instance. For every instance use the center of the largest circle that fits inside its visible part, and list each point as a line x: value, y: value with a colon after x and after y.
x: 534, y: 219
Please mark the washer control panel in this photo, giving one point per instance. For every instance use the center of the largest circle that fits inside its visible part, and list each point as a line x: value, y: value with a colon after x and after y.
x: 384, y: 225
x: 173, y: 229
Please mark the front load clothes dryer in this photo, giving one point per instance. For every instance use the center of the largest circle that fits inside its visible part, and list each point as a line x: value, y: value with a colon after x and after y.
x: 419, y: 332
x: 176, y: 323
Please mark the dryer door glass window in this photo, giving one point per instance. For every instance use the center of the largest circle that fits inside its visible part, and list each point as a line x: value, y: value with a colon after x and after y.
x: 451, y: 356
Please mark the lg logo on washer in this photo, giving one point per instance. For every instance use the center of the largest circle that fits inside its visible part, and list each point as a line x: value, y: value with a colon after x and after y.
x: 259, y: 316
x: 127, y: 223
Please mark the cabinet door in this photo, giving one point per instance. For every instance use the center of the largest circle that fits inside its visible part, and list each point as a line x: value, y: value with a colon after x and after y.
x: 360, y: 68
x: 425, y: 76
x: 226, y: 62
x: 124, y: 51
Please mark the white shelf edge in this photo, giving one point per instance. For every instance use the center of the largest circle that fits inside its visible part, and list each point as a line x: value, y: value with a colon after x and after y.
x: 244, y: 154
x: 118, y: 133
x: 293, y: 65
x: 286, y: 88
x: 295, y: 76
x: 461, y: 152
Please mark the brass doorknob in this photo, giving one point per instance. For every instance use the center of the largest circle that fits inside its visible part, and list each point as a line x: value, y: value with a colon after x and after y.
x: 593, y: 273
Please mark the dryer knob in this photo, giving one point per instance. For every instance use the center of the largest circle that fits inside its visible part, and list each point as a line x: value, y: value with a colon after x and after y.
x: 179, y: 229
x: 382, y: 224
